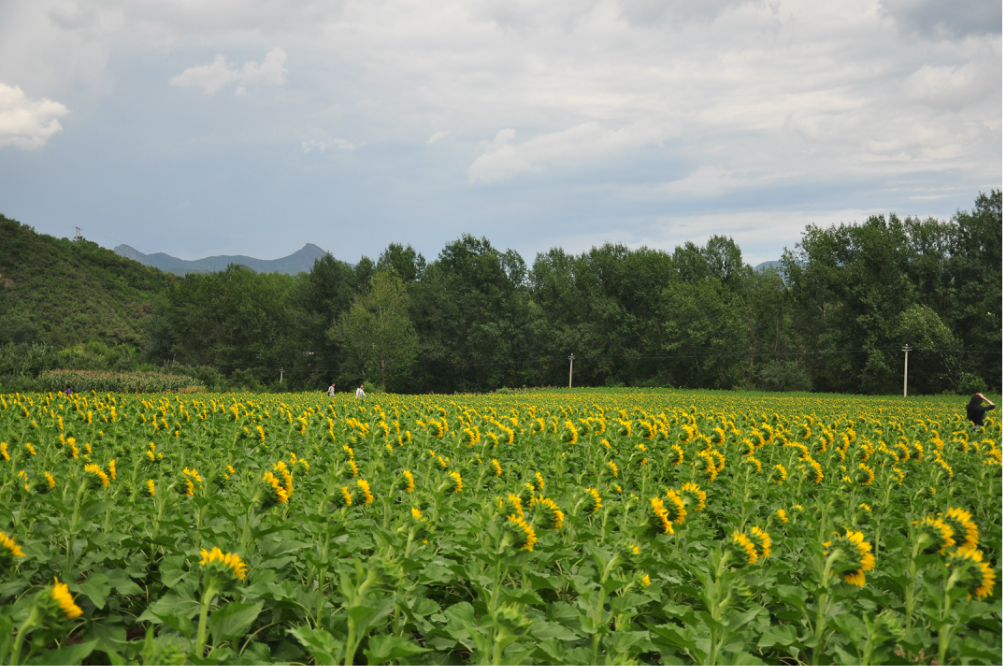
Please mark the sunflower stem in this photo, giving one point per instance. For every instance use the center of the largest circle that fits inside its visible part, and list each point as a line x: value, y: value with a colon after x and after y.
x: 28, y: 624
x: 207, y: 596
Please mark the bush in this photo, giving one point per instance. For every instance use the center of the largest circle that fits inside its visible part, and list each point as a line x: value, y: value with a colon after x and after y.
x: 126, y: 382
x: 783, y: 376
x: 27, y: 360
x: 969, y: 384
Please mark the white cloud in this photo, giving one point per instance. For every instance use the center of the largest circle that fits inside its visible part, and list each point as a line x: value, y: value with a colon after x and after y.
x: 575, y: 146
x: 27, y: 123
x: 954, y: 87
x: 323, y: 146
x: 220, y: 72
x: 438, y: 136
x: 710, y: 181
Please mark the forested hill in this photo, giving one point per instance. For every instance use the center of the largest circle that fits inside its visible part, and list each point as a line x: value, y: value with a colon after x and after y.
x: 63, y: 292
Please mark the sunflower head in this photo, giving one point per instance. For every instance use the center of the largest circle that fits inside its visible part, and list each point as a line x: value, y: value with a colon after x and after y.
x: 743, y: 547
x: 966, y: 532
x: 969, y: 571
x: 511, y: 505
x: 8, y: 549
x: 524, y: 536
x: 344, y: 496
x: 762, y: 541
x: 658, y: 517
x: 227, y: 568
x: 60, y: 602
x: 592, y: 502
x: 850, y: 556
x: 274, y: 490
x: 693, y: 498
x: 96, y: 477
x: 934, y: 535
x: 675, y: 506
x: 367, y: 495
x: 549, y: 515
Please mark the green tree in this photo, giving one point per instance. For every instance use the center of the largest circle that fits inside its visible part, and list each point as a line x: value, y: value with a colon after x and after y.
x: 376, y: 335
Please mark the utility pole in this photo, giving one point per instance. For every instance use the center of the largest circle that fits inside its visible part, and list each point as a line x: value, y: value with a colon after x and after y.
x: 571, y: 369
x: 905, y: 373
x: 281, y: 372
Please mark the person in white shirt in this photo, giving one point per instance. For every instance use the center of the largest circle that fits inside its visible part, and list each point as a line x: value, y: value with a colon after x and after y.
x: 331, y: 390
x: 359, y: 393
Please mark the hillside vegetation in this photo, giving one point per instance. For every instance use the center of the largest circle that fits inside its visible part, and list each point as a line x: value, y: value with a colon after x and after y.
x: 62, y: 293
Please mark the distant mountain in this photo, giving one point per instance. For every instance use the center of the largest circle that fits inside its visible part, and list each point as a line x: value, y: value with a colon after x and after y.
x: 300, y: 261
x: 763, y: 266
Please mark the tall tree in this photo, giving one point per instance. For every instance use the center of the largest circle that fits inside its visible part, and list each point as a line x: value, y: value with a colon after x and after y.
x: 376, y: 335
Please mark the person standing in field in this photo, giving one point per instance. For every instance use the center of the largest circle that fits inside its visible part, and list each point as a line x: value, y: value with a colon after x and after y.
x: 975, y: 412
x: 331, y: 390
x: 359, y: 393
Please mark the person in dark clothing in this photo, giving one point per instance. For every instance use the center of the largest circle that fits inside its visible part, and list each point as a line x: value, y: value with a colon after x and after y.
x: 976, y: 412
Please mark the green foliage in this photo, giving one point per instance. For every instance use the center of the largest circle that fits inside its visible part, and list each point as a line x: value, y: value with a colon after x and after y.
x: 124, y: 382
x: 834, y: 317
x: 60, y: 292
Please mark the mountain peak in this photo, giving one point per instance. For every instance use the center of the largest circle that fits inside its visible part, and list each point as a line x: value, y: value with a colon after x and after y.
x: 300, y: 261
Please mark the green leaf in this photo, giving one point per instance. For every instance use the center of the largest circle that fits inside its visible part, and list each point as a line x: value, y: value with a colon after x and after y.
x: 789, y: 594
x: 520, y: 596
x: 741, y: 658
x: 171, y: 604
x: 325, y: 648
x: 367, y: 616
x: 172, y: 570
x: 552, y: 649
x: 543, y: 631
x: 383, y: 648
x: 96, y: 588
x: 69, y: 654
x: 850, y: 625
x: 423, y: 606
x: 233, y: 620
x: 782, y: 634
x: 122, y: 583
x: 110, y: 635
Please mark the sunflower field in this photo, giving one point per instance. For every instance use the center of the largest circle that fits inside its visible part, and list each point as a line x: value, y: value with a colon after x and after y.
x: 590, y: 526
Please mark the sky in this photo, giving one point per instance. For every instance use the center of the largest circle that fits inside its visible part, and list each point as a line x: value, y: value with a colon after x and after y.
x: 204, y: 127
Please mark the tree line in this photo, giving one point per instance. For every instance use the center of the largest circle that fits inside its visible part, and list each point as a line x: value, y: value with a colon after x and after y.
x: 833, y: 317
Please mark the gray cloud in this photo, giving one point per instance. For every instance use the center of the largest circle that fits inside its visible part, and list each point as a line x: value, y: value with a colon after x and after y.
x: 946, y: 20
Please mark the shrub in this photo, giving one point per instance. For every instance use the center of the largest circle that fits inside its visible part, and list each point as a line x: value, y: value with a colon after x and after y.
x: 783, y: 376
